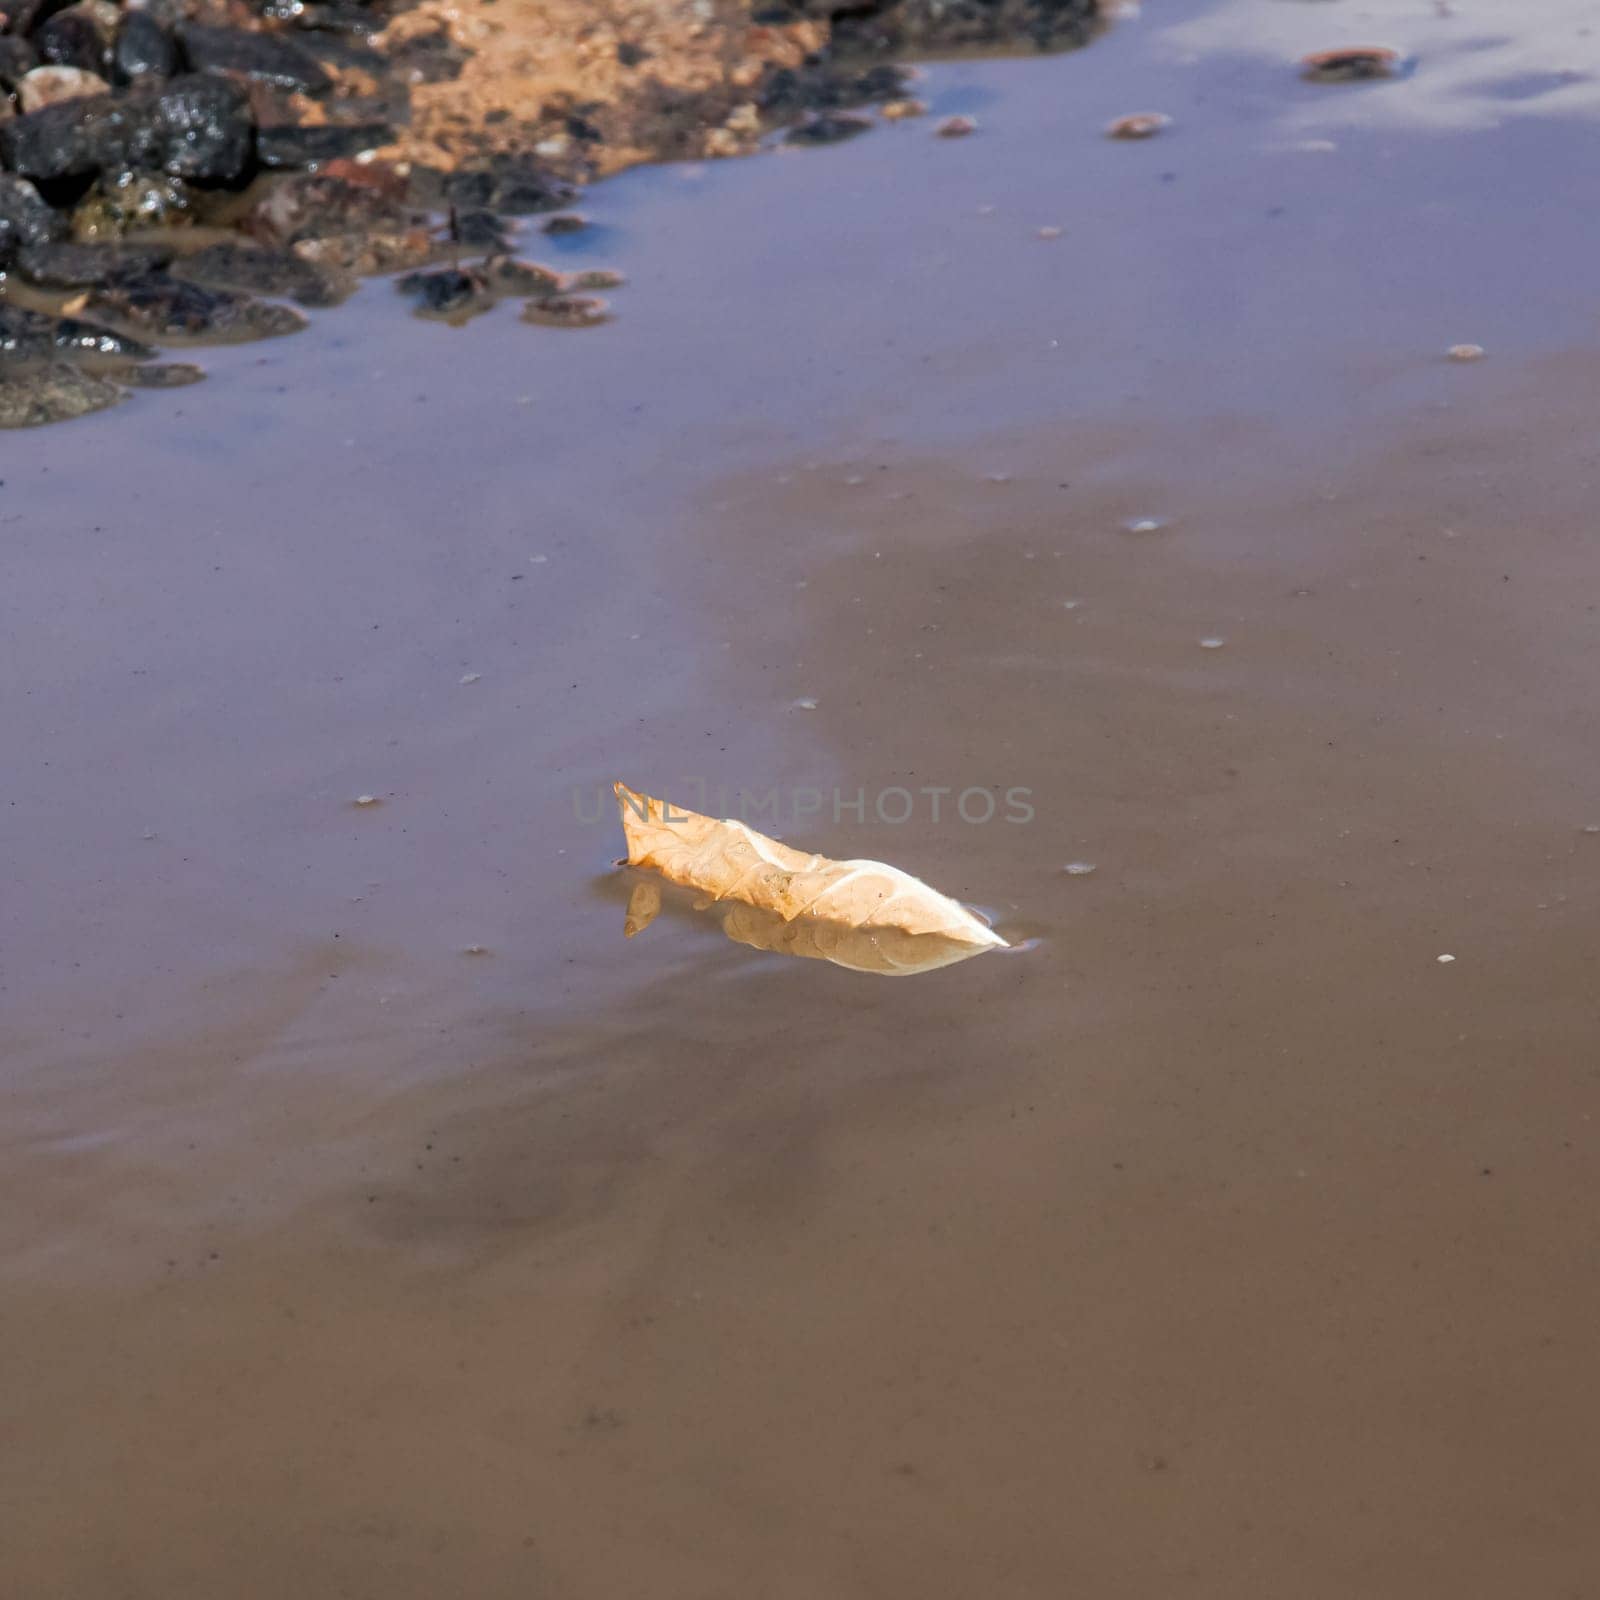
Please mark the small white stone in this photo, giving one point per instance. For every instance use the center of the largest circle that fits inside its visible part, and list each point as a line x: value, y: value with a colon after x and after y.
x: 1465, y: 352
x: 1444, y: 961
x: 1212, y: 643
x: 366, y: 800
x: 806, y: 704
x: 471, y: 677
x: 1078, y: 869
x: 1144, y: 524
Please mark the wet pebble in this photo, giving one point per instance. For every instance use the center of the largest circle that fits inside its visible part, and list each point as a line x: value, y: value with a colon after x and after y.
x: 366, y: 801
x: 1138, y: 125
x: 512, y: 276
x: 1353, y: 64
x: 563, y: 223
x: 265, y: 57
x: 26, y: 218
x: 49, y: 86
x: 900, y: 110
x: 567, y: 311
x: 957, y: 127
x: 32, y: 335
x: 1466, y: 352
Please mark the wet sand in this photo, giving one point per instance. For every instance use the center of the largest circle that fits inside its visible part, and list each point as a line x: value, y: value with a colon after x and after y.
x: 1223, y: 1241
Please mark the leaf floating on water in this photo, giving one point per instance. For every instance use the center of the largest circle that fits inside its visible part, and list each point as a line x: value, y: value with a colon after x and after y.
x: 865, y: 915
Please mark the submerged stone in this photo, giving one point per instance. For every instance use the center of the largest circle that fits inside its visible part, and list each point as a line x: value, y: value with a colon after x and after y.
x: 77, y: 36
x: 567, y: 311
x: 911, y: 26
x: 34, y: 335
x: 33, y: 394
x: 516, y: 185
x: 450, y: 292
x: 523, y: 277
x: 1351, y: 65
x: 168, y: 308
x: 828, y: 128
x: 226, y: 265
x: 163, y: 375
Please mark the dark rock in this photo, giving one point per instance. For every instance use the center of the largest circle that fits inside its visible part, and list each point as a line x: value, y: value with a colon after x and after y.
x: 166, y: 375
x: 566, y: 311
x: 167, y: 308
x: 450, y: 292
x: 516, y: 185
x: 34, y: 334
x: 478, y: 230
x: 920, y: 25
x: 73, y: 38
x: 16, y: 58
x: 630, y: 54
x: 829, y: 128
x: 193, y: 127
x: 144, y: 49
x: 289, y: 145
x: 567, y: 222
x: 255, y: 271
x: 32, y: 394
x: 262, y: 56
x: 87, y: 266
x: 822, y: 85
x: 25, y: 218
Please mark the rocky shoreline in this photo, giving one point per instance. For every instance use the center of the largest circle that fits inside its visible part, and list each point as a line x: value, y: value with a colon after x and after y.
x: 182, y: 172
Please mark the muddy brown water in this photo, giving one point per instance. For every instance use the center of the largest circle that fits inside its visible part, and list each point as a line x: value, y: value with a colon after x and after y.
x: 1223, y: 1241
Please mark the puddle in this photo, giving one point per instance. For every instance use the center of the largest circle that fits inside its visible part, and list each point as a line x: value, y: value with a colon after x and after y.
x: 375, y: 1216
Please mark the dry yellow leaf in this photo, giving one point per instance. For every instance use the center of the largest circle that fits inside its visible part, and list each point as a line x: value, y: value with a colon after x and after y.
x: 860, y: 914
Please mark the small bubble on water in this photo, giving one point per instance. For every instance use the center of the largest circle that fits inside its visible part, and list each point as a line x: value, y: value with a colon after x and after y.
x: 1079, y: 869
x: 367, y: 800
x: 1050, y: 233
x: 1144, y: 524
x: 471, y: 677
x: 1466, y: 352
x: 1070, y: 605
x: 998, y: 477
x: 805, y: 704
x: 1445, y: 960
x: 1591, y: 827
x: 1212, y: 643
